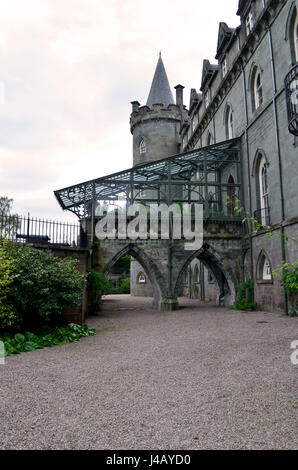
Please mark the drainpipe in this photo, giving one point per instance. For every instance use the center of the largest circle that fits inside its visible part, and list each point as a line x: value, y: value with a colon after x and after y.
x: 277, y: 139
x: 248, y: 173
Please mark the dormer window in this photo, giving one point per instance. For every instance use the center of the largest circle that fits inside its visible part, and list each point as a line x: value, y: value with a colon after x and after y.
x: 142, y: 146
x: 249, y: 23
x: 207, y: 98
x: 195, y: 122
x: 224, y: 67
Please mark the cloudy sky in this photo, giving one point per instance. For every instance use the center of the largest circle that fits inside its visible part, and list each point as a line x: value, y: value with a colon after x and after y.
x: 68, y: 72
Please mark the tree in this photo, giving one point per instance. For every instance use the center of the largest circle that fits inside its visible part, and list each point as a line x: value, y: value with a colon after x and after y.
x: 9, y: 223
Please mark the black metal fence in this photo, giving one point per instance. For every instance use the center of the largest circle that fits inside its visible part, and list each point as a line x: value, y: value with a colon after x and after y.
x: 291, y: 87
x: 41, y: 231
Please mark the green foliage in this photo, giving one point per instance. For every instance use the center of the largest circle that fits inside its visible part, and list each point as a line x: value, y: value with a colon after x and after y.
x: 96, y: 242
x: 122, y: 265
x: 9, y: 223
x: 28, y: 341
x: 289, y: 279
x: 98, y: 285
x: 124, y: 286
x: 7, y: 277
x: 45, y: 285
x: 245, y: 296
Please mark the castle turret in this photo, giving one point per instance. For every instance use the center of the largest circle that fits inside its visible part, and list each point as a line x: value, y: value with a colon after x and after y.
x: 156, y: 126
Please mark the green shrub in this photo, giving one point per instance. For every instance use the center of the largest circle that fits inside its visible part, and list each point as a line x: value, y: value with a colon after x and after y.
x: 289, y: 279
x: 28, y: 341
x: 245, y: 296
x: 98, y: 285
x: 7, y: 277
x: 124, y: 286
x: 45, y: 285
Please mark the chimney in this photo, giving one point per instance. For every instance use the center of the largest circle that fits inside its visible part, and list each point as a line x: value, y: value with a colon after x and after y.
x: 135, y: 106
x: 179, y: 96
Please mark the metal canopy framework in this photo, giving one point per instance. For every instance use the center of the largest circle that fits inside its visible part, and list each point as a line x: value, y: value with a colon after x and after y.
x: 209, y: 175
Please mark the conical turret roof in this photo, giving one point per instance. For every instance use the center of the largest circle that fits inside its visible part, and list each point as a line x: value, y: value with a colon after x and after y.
x: 160, y: 91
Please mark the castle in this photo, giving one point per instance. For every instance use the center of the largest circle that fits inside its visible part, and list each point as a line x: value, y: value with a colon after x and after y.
x: 242, y: 96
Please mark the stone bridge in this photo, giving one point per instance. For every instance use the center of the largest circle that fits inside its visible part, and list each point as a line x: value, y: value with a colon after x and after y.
x: 166, y: 261
x: 210, y: 177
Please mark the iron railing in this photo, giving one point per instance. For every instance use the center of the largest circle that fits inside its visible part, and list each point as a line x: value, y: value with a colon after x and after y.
x: 291, y: 88
x: 41, y: 231
x: 263, y: 216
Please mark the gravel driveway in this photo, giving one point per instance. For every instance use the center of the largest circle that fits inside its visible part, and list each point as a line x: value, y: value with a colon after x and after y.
x: 199, y: 378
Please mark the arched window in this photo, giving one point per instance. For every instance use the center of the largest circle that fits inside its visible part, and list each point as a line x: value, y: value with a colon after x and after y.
x: 141, y: 278
x: 197, y: 274
x: 210, y: 277
x: 143, y: 146
x: 257, y: 89
x: 264, y: 272
x: 295, y: 37
x: 229, y: 123
x: 207, y: 98
x: 231, y: 197
x: 292, y: 32
x: 263, y: 191
x: 209, y: 140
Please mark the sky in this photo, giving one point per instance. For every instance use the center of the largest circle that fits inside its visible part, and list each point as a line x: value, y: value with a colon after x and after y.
x: 68, y: 72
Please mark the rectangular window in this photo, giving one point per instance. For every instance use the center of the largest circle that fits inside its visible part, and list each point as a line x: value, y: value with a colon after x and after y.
x: 249, y: 23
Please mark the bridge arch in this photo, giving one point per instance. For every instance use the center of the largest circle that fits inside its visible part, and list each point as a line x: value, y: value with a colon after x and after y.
x: 214, y: 262
x: 150, y: 268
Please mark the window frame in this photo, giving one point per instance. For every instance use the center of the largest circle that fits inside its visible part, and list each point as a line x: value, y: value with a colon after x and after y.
x: 295, y: 36
x: 209, y: 140
x: 224, y: 67
x: 263, y: 188
x: 249, y: 22
x: 229, y: 123
x: 207, y: 98
x: 139, y: 276
x: 258, y: 89
x: 264, y: 270
x: 142, y: 146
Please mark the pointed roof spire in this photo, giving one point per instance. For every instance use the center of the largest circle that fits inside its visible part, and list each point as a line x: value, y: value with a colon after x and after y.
x: 160, y: 91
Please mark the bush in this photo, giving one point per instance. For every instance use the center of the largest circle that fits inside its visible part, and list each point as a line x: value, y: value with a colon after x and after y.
x: 16, y: 343
x: 289, y: 279
x: 45, y: 285
x: 98, y: 285
x: 124, y: 286
x: 245, y: 296
x: 7, y: 277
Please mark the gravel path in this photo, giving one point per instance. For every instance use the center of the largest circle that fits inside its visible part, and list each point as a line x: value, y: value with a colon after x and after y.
x: 199, y: 378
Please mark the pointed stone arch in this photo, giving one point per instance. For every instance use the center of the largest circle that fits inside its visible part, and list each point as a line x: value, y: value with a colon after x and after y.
x: 256, y: 161
x: 150, y: 268
x: 223, y: 276
x: 264, y: 261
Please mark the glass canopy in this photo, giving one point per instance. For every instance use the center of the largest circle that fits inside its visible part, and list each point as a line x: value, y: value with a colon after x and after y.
x: 209, y: 175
